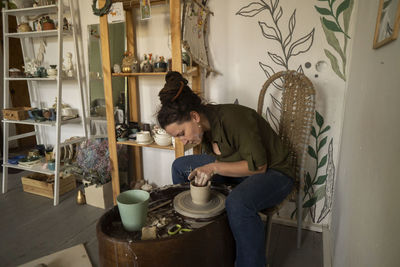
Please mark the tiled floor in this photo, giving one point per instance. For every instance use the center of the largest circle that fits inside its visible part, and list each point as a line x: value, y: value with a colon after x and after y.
x: 31, y: 227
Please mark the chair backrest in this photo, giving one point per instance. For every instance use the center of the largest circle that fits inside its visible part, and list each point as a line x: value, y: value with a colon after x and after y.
x: 297, y: 107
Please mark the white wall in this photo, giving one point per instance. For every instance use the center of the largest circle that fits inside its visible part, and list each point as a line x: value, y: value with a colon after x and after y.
x: 237, y: 47
x: 366, y: 218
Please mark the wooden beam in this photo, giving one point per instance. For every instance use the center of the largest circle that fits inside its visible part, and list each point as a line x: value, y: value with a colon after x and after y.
x: 106, y: 66
x: 176, y: 45
x: 133, y: 87
x: 176, y: 38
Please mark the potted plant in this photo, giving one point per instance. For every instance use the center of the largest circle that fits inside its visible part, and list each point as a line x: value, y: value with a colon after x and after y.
x: 94, y: 162
x: 47, y: 23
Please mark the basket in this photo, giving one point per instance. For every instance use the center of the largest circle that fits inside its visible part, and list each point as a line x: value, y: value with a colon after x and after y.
x: 16, y: 114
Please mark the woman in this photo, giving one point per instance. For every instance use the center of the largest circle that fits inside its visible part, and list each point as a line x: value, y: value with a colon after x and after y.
x: 241, y: 147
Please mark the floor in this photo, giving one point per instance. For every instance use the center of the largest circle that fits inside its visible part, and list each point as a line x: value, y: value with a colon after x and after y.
x: 31, y: 227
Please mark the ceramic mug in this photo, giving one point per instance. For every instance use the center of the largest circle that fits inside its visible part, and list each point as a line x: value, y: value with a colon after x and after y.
x: 200, y: 194
x: 143, y: 137
x: 133, y: 206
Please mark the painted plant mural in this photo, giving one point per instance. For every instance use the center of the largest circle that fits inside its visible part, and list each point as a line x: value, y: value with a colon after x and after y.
x: 334, y: 28
x: 318, y: 183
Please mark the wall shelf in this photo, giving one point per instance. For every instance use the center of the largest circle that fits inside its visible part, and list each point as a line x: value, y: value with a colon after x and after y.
x: 133, y: 85
x: 43, y: 123
x: 37, y: 34
x: 26, y: 39
x: 38, y: 11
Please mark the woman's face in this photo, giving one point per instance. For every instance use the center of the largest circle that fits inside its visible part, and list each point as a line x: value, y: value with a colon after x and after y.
x: 189, y: 132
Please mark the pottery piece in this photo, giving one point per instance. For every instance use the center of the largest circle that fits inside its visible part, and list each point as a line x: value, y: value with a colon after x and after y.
x: 146, y: 65
x: 143, y: 137
x: 161, y: 65
x: 128, y: 62
x: 24, y: 27
x: 14, y: 73
x: 51, y: 165
x: 52, y: 71
x: 184, y: 205
x: 163, y: 140
x: 161, y: 137
x: 200, y: 194
x: 133, y: 207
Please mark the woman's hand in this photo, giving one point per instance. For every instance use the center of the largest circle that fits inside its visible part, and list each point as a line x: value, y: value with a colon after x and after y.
x: 203, y: 174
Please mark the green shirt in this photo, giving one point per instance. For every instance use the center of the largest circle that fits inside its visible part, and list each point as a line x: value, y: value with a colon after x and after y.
x: 242, y: 134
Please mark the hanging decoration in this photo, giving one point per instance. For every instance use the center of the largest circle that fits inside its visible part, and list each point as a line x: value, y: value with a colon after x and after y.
x: 101, y: 11
x: 194, y: 32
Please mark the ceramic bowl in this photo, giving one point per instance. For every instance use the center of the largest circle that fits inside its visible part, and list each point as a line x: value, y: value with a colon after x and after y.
x: 163, y: 140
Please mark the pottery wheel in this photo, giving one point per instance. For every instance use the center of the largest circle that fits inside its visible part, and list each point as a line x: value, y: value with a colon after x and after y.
x: 183, y: 205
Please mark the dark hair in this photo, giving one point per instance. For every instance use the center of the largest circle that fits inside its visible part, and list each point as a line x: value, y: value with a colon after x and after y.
x: 177, y: 100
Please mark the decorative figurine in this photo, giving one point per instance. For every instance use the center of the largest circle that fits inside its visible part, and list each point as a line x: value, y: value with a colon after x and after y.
x: 146, y: 65
x: 68, y: 66
x: 40, y: 54
x: 65, y: 24
x: 127, y: 62
x: 161, y: 65
x: 30, y: 67
x: 116, y: 68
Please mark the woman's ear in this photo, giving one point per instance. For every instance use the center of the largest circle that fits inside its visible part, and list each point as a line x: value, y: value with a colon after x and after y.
x: 195, y: 116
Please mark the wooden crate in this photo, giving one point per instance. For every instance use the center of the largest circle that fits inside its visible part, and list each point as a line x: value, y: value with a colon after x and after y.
x: 16, y: 114
x: 42, y: 184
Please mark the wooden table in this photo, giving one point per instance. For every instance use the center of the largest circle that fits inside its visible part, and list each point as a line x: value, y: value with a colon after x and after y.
x: 209, y: 244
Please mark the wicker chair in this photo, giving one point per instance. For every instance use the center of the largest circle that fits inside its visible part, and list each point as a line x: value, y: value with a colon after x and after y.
x: 296, y: 117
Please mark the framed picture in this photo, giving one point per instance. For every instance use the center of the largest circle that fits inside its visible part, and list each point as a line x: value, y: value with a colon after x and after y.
x: 387, y: 22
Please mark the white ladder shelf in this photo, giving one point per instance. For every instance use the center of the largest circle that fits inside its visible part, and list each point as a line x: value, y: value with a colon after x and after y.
x: 27, y: 47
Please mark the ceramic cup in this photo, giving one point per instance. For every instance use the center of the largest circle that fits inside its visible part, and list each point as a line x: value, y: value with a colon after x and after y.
x: 133, y: 206
x: 143, y: 137
x: 200, y: 194
x: 51, y: 165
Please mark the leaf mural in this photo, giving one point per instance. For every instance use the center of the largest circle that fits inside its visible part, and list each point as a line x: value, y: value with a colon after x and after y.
x: 252, y: 9
x: 330, y: 183
x: 316, y: 186
x: 272, y: 31
x: 332, y: 26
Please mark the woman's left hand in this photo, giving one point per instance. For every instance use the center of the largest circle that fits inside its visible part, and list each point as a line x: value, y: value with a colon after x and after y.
x: 202, y: 174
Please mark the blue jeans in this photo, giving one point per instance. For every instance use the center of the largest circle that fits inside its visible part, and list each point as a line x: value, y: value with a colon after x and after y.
x: 252, y: 194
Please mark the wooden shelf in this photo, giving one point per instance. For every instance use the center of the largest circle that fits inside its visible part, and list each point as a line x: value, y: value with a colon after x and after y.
x: 153, y: 145
x: 135, y: 3
x: 40, y: 10
x: 189, y: 72
x: 139, y: 74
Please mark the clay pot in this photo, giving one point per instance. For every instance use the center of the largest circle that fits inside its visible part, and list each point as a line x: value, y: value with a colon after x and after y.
x: 24, y: 27
x: 147, y: 67
x: 48, y: 26
x: 200, y: 194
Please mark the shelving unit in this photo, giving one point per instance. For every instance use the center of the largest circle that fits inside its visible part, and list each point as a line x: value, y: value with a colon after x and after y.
x: 133, y: 86
x: 34, y: 83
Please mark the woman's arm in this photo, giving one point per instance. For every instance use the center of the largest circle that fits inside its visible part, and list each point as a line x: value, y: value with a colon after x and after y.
x: 233, y: 169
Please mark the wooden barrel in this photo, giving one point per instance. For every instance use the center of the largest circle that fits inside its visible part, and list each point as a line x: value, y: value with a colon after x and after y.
x: 210, y: 245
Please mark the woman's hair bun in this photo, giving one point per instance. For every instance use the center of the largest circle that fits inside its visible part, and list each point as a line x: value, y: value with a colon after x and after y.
x: 174, y: 77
